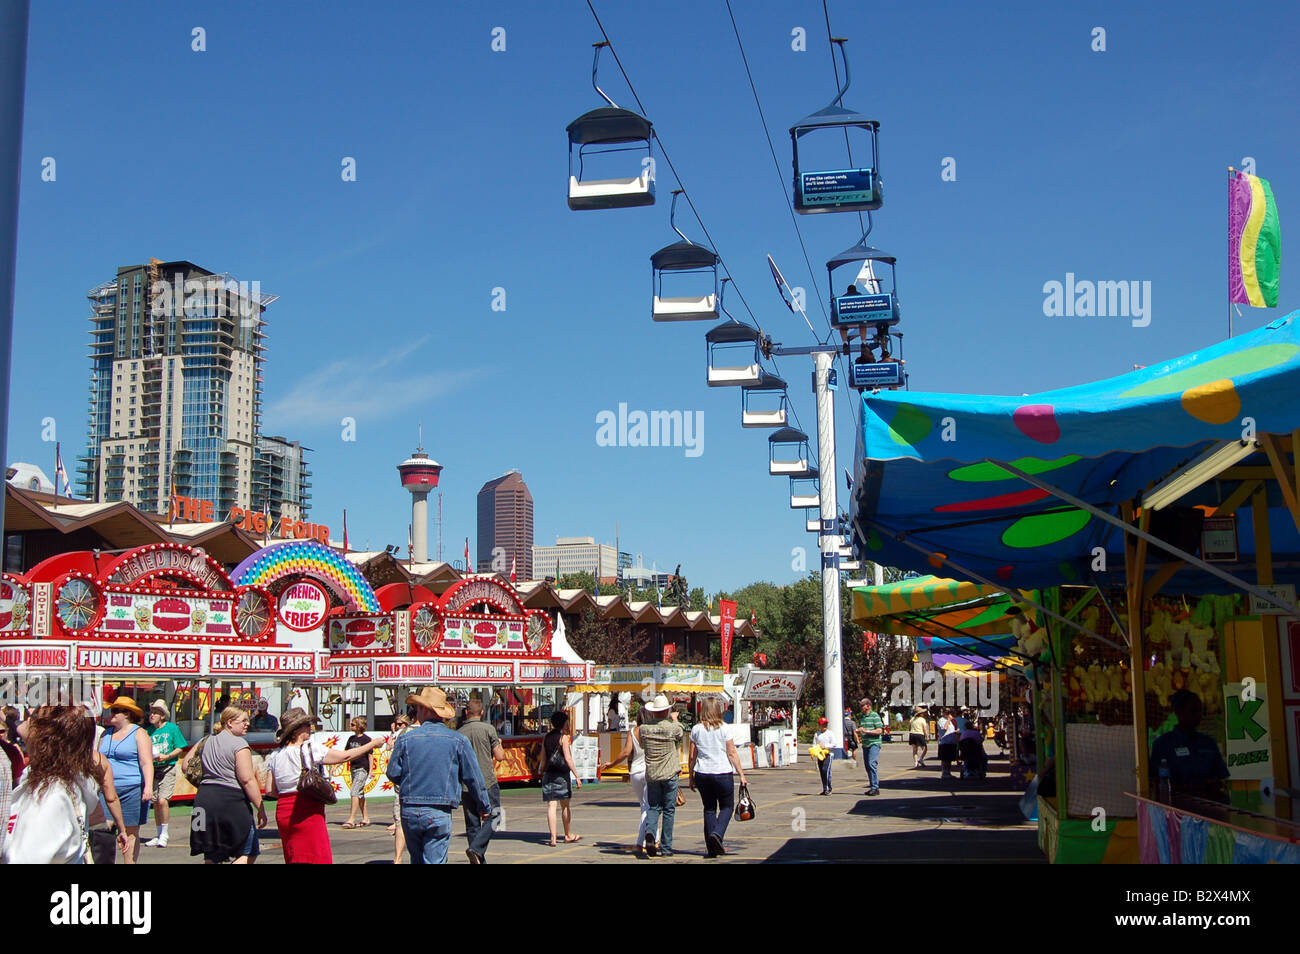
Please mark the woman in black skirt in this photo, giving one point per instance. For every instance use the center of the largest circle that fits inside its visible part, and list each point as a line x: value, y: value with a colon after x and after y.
x: 221, y: 826
x: 557, y: 764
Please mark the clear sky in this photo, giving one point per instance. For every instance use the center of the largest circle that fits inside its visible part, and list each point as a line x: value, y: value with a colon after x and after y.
x: 1110, y: 165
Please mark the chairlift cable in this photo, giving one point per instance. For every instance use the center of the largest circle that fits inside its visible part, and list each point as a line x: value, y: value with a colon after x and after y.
x: 776, y: 164
x: 830, y: 39
x: 672, y: 168
x: 685, y: 192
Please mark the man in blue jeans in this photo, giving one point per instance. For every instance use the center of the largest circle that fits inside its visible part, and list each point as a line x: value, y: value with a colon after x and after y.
x: 660, y: 736
x: 871, y: 728
x: 429, y: 765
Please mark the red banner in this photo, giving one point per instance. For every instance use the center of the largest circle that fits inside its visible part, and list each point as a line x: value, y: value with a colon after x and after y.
x: 728, y: 631
x: 670, y: 650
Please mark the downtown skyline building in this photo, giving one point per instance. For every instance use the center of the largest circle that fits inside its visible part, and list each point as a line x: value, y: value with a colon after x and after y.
x: 505, y: 523
x: 581, y: 555
x: 177, y: 354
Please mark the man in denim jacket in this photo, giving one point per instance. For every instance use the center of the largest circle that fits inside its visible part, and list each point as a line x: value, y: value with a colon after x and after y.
x: 429, y: 765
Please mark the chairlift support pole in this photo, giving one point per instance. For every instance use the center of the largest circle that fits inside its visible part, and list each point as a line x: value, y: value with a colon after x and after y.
x: 828, y: 538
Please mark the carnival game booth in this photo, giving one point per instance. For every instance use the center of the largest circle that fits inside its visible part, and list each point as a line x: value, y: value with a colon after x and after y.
x: 476, y: 640
x: 162, y: 621
x: 1133, y: 489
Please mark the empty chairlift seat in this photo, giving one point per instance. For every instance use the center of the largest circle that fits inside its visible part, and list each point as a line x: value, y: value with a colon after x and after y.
x: 764, y: 403
x: 846, y: 188
x: 683, y: 259
x: 601, y: 133
x: 788, y: 453
x: 733, y: 341
x: 805, y: 492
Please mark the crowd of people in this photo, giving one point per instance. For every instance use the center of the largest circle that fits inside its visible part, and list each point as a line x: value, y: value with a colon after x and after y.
x: 79, y: 777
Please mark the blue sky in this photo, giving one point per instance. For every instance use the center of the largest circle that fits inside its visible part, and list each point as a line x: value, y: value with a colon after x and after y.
x: 1110, y: 165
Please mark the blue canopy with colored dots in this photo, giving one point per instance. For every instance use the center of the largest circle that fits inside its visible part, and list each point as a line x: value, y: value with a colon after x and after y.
x: 925, y: 467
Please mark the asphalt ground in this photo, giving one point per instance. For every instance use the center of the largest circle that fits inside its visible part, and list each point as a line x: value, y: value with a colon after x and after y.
x: 916, y: 818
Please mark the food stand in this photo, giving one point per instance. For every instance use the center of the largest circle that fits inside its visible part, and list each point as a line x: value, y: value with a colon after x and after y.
x: 681, y: 684
x: 776, y: 744
x: 476, y: 640
x: 162, y: 621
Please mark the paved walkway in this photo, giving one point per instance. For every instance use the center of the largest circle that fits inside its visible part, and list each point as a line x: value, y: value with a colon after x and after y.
x: 916, y: 818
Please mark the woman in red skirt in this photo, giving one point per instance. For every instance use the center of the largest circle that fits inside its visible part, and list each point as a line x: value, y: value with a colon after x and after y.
x: 304, y: 837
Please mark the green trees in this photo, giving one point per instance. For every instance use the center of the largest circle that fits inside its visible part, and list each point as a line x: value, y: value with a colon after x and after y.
x: 607, y: 642
x: 789, y: 620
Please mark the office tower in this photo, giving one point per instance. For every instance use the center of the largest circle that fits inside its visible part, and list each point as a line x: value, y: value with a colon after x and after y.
x: 582, y: 555
x: 505, y: 523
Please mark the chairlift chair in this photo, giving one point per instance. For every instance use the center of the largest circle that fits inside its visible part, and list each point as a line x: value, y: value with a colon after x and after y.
x: 756, y: 400
x: 601, y: 132
x: 814, y: 524
x: 853, y: 189
x: 805, y: 492
x: 682, y: 259
x: 729, y: 341
x: 877, y: 303
x: 788, y: 453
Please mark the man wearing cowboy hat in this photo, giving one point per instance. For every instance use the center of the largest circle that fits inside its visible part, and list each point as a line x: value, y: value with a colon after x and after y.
x: 663, y: 763
x: 429, y: 765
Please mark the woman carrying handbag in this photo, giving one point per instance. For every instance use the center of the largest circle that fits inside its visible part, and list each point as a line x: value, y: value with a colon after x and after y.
x: 713, y: 755
x: 303, y: 790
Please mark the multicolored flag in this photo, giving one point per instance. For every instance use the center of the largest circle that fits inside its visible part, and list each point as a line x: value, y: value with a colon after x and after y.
x: 468, y: 568
x: 345, y: 531
x: 512, y: 569
x: 1254, y: 242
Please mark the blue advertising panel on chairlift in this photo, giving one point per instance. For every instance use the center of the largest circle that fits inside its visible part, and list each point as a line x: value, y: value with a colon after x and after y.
x: 875, y: 308
x: 837, y: 187
x: 880, y: 374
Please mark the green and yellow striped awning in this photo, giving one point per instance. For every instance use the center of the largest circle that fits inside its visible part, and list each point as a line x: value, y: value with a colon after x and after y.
x: 922, y: 593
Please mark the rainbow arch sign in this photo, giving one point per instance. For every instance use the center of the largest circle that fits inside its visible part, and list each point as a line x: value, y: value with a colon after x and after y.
x: 274, y: 564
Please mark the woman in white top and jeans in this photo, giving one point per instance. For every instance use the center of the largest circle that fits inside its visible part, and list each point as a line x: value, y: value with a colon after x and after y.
x: 713, y: 756
x: 635, y: 755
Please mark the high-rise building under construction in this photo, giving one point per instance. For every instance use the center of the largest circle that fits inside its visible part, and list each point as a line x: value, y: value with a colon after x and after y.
x: 176, y: 356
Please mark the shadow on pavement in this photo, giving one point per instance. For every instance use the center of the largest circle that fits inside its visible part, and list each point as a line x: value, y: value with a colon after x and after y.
x: 941, y: 845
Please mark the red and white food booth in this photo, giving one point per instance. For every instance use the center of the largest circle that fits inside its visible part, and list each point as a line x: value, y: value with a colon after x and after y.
x: 162, y: 621
x: 475, y: 640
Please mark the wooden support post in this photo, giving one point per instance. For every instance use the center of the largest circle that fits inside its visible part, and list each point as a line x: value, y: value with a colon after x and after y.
x: 1286, y: 479
x: 1135, y: 554
x: 1272, y: 651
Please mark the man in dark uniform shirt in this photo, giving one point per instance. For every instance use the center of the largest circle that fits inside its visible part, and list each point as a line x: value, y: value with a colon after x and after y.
x: 1195, y: 765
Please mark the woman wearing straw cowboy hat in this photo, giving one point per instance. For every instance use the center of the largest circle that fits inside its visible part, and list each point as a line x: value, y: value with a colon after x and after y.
x: 429, y: 765
x: 304, y: 836
x: 130, y: 754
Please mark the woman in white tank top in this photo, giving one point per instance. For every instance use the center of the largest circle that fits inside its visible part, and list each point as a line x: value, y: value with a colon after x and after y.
x: 635, y: 756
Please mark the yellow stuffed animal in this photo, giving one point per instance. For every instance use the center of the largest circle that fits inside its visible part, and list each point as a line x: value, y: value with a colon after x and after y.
x: 1097, y: 685
x: 1202, y: 657
x: 1157, y: 632
x: 1160, y: 680
x: 1115, y: 674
